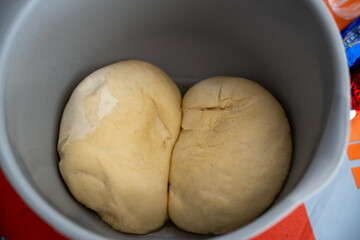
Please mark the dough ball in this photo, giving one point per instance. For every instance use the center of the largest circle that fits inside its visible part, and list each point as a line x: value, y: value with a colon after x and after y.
x: 232, y: 156
x: 116, y: 137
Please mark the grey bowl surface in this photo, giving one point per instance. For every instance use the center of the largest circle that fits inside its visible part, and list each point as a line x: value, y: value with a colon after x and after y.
x: 292, y: 48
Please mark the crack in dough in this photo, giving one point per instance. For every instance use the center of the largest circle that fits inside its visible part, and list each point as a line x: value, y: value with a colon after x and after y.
x: 232, y: 156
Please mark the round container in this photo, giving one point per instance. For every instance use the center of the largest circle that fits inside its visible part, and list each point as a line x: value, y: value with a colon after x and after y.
x: 292, y: 48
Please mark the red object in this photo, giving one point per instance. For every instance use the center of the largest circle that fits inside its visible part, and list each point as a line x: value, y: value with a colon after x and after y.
x: 17, y: 221
x: 355, y: 88
x: 295, y: 226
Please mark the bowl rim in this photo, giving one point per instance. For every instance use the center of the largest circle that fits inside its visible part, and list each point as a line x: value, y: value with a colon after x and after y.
x: 339, y: 112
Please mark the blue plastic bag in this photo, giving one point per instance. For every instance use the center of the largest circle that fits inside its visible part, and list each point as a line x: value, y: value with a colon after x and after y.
x: 351, y: 39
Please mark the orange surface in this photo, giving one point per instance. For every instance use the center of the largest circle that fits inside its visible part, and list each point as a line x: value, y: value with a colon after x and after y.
x: 355, y: 128
x: 356, y: 174
x: 295, y: 226
x: 342, y: 23
x: 354, y: 151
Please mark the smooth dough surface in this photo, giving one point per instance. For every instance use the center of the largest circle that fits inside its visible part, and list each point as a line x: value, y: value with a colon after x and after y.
x: 116, y: 137
x: 232, y: 156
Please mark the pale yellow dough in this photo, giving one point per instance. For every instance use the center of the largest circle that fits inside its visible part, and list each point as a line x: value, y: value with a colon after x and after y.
x: 116, y: 137
x: 232, y: 156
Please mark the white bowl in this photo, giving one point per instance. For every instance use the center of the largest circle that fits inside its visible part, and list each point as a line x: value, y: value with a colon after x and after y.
x: 292, y: 48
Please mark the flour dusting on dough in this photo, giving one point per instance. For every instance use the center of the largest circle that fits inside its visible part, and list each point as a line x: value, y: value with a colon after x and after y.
x: 107, y: 102
x: 115, y: 144
x: 74, y: 124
